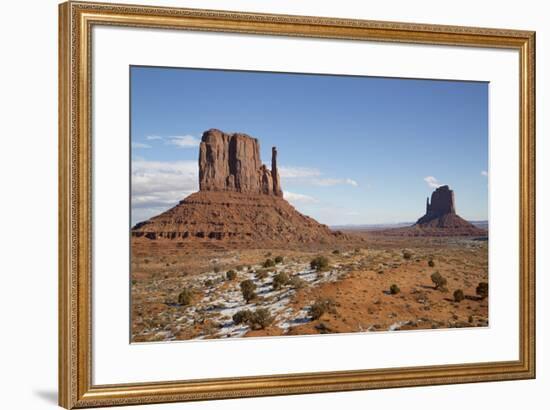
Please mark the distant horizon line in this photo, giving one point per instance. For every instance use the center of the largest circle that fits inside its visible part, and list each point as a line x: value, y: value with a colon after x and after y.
x: 395, y: 223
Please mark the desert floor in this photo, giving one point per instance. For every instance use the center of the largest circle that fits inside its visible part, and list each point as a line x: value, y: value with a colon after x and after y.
x: 351, y: 295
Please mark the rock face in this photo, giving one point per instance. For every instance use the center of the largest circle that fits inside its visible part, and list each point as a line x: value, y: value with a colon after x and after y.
x: 442, y: 203
x: 240, y: 202
x: 232, y: 217
x: 231, y: 162
x: 440, y: 219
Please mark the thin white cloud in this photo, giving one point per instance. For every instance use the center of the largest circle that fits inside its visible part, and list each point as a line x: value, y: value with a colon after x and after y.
x: 334, y: 181
x: 311, y: 176
x: 296, y: 198
x: 298, y: 172
x: 140, y: 145
x: 183, y: 141
x: 485, y: 173
x: 432, y: 182
x: 157, y: 186
x: 153, y: 137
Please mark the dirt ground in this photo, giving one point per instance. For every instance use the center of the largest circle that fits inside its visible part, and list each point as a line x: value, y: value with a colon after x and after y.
x: 351, y: 294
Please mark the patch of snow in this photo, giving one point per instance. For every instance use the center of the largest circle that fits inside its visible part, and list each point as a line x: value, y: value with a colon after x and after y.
x: 221, y: 305
x: 398, y: 325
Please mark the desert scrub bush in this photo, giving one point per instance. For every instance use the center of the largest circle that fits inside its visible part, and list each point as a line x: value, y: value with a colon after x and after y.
x: 320, y: 263
x: 458, y: 295
x: 279, y: 259
x: 208, y: 282
x: 394, y: 289
x: 231, y: 274
x: 482, y: 290
x: 262, y: 274
x: 239, y: 267
x: 439, y: 281
x: 259, y: 319
x: 217, y: 269
x: 185, y: 297
x: 268, y: 263
x: 336, y: 252
x: 407, y: 254
x: 242, y: 316
x: 248, y: 289
x: 431, y: 263
x: 322, y: 306
x: 296, y: 282
x: 279, y: 280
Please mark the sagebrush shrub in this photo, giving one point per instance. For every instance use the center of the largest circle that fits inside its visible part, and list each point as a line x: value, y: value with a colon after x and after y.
x: 279, y: 259
x: 320, y: 263
x: 322, y: 306
x: 259, y: 319
x: 231, y: 275
x: 438, y: 280
x: 242, y: 316
x: 482, y: 290
x: 262, y: 274
x: 431, y: 263
x: 279, y: 280
x: 268, y: 263
x: 407, y: 254
x: 185, y: 297
x: 248, y: 289
x: 458, y: 295
x: 394, y: 289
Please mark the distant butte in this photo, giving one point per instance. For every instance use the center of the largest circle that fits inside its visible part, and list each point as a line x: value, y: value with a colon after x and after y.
x: 442, y: 203
x: 240, y: 201
x: 440, y: 219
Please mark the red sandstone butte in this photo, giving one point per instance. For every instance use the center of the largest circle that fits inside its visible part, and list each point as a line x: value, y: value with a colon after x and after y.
x: 240, y: 201
x: 440, y: 219
x: 231, y: 162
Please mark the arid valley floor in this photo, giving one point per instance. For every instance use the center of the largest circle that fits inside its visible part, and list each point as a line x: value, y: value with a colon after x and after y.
x: 351, y: 294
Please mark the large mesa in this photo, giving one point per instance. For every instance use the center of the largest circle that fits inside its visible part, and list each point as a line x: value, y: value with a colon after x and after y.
x: 240, y: 201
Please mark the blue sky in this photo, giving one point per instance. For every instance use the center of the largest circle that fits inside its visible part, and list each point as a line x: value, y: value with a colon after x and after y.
x: 352, y: 150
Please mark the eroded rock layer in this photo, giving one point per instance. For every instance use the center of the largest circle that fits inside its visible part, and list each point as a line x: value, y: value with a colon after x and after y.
x: 231, y: 162
x: 240, y: 201
x: 237, y: 218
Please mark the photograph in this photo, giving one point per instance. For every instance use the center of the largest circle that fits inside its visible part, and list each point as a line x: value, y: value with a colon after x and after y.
x: 291, y: 204
x: 284, y: 201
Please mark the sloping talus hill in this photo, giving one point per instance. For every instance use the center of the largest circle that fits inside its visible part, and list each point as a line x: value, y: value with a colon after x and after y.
x: 234, y: 217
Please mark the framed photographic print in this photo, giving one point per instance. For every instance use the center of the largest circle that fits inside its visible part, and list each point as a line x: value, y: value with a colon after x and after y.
x: 257, y: 204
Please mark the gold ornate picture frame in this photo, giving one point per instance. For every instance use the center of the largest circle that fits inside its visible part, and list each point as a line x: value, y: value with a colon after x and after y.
x: 75, y: 210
